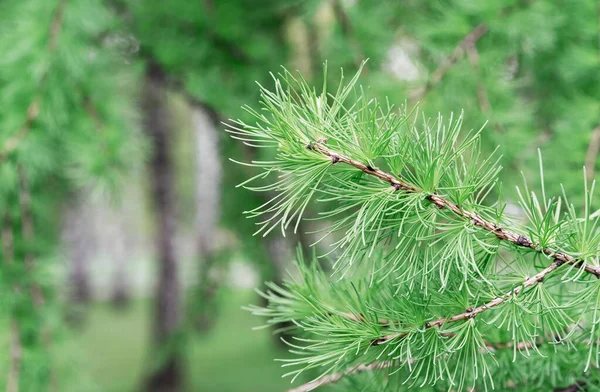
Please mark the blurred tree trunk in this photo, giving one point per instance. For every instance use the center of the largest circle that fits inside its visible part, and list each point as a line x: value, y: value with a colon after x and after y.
x: 79, y: 238
x: 208, y: 195
x: 78, y: 241
x: 120, y: 288
x: 165, y: 374
x: 126, y: 229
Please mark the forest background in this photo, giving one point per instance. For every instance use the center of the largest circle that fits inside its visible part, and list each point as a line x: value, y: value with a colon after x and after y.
x: 126, y: 257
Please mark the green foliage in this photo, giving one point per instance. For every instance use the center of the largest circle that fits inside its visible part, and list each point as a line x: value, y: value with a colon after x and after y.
x: 405, y: 264
x: 66, y: 123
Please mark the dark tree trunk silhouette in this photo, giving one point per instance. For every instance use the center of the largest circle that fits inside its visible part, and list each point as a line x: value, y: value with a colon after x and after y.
x: 208, y: 195
x: 78, y: 242
x: 77, y: 237
x: 122, y: 251
x: 165, y: 375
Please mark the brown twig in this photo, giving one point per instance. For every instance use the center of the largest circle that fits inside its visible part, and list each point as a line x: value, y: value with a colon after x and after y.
x: 13, y: 142
x: 93, y: 113
x: 33, y: 110
x: 501, y: 233
x: 435, y: 199
x: 348, y: 32
x: 28, y: 234
x: 482, y: 95
x: 578, y: 386
x: 457, y: 54
x: 592, y: 154
x: 335, y: 377
x: 359, y: 318
x: 472, y: 313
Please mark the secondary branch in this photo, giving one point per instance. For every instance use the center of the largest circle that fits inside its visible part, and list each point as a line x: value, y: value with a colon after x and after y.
x: 466, y: 43
x: 335, y: 377
x: 500, y: 232
x: 33, y: 110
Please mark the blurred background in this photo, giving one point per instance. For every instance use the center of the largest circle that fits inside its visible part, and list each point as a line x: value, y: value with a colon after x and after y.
x: 126, y: 257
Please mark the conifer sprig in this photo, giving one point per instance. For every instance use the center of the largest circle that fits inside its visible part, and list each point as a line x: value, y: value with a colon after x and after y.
x: 503, y: 234
x: 33, y: 110
x: 417, y: 245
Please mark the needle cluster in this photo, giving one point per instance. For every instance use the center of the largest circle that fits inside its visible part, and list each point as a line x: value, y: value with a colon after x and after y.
x: 433, y: 284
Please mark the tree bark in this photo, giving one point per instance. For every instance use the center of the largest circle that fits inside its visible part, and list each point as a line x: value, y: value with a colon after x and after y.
x: 165, y: 375
x: 123, y: 249
x: 76, y: 238
x: 208, y: 196
x: 78, y: 244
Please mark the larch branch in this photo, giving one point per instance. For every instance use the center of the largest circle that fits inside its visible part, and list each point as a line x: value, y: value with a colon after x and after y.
x: 460, y: 50
x: 482, y: 94
x: 500, y: 232
x: 28, y: 234
x: 33, y: 110
x: 348, y: 32
x: 335, y: 377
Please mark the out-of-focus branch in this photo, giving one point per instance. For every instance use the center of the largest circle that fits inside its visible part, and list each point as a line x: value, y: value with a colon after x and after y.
x: 469, y: 41
x: 13, y: 142
x: 579, y: 386
x: 335, y: 377
x: 592, y: 153
x: 28, y: 234
x: 348, y: 32
x: 173, y: 83
x: 482, y: 95
x: 33, y: 110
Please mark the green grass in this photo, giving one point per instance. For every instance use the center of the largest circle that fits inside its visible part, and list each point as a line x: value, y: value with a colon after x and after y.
x: 234, y: 358
x: 110, y: 352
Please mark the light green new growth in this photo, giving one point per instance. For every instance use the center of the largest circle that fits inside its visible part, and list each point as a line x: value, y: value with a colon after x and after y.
x: 434, y: 286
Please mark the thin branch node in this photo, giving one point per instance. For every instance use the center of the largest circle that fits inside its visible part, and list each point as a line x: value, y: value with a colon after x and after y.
x: 524, y: 241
